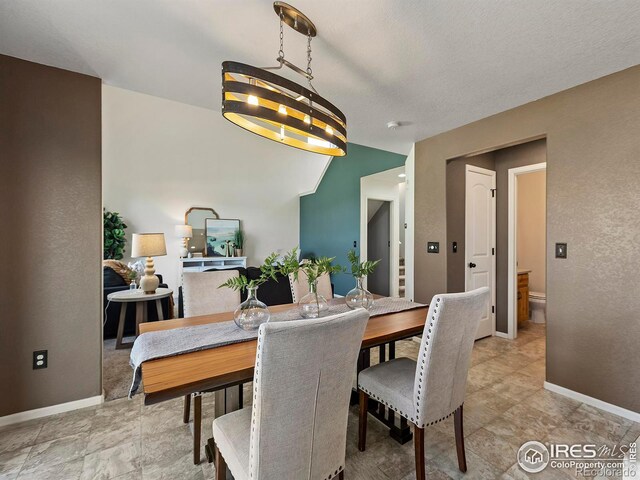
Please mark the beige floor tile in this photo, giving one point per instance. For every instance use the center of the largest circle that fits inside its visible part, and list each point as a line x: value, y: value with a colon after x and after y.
x: 65, y: 470
x: 499, y: 450
x: 552, y: 403
x: 606, y: 425
x: 19, y: 436
x: 65, y: 424
x: 477, y: 467
x: 11, y: 462
x: 56, y: 451
x: 112, y: 462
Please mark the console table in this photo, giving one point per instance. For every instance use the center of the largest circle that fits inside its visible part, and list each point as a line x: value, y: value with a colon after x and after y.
x: 200, y: 264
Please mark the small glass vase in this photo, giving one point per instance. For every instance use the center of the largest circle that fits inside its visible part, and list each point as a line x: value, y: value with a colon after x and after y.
x: 359, y: 297
x: 251, y: 313
x: 133, y: 286
x: 313, y: 305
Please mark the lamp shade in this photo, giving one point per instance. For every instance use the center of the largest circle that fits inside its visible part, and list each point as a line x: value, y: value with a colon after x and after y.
x: 184, y: 231
x: 148, y: 245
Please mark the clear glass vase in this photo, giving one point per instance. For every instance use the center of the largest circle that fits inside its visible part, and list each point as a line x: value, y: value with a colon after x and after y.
x: 251, y: 313
x: 313, y: 305
x: 359, y: 297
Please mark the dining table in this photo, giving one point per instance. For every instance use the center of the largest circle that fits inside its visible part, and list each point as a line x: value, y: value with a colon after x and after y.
x: 224, y: 369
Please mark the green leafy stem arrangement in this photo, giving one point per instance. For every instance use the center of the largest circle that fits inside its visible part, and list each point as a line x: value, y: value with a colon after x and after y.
x: 289, y: 264
x: 361, y: 269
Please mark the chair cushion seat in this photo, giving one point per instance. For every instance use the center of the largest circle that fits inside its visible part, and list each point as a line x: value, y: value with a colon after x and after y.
x: 232, y: 433
x: 391, y: 383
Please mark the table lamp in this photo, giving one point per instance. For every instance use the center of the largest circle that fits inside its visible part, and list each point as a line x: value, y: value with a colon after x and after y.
x: 148, y: 245
x: 184, y: 232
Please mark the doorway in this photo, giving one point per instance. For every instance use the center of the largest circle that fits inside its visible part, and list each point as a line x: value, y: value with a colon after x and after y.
x: 526, y: 246
x: 381, y: 198
x: 480, y: 240
x: 379, y: 245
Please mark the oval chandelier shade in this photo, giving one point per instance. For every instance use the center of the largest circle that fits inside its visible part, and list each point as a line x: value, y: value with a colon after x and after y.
x: 281, y: 110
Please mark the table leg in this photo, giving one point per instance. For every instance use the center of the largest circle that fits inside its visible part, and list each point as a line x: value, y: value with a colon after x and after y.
x: 197, y: 426
x: 140, y: 313
x: 228, y: 400
x: 159, y: 309
x: 123, y: 314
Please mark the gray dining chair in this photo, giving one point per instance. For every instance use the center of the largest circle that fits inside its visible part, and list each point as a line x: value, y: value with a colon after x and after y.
x: 433, y: 388
x: 297, y: 426
x: 201, y: 295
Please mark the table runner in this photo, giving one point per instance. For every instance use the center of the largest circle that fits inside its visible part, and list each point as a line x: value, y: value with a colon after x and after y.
x: 178, y: 341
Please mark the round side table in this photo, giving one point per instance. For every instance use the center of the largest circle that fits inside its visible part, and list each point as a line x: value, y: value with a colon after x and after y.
x: 139, y: 298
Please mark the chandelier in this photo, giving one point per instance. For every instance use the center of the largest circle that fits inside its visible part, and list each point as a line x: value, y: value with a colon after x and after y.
x: 276, y: 108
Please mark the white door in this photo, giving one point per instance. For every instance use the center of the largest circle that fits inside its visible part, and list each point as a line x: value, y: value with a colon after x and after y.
x: 480, y: 239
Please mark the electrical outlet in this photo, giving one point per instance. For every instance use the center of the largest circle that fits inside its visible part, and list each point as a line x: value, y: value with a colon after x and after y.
x: 433, y: 247
x: 355, y: 244
x: 561, y: 250
x: 40, y: 359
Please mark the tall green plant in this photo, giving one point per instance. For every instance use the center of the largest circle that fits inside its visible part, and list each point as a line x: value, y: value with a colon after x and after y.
x: 361, y: 269
x: 114, y: 239
x: 238, y: 238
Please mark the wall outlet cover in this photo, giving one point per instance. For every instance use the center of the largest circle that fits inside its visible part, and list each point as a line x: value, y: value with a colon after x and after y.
x: 40, y: 359
x: 433, y: 247
x: 561, y: 250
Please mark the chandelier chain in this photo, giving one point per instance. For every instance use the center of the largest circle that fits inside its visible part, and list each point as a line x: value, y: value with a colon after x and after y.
x: 281, y: 52
x: 309, y: 71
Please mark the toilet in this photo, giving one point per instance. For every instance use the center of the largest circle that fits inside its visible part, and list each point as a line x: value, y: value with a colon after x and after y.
x: 538, y: 307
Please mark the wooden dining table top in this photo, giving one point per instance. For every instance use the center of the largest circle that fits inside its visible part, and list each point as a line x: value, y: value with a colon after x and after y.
x: 229, y: 365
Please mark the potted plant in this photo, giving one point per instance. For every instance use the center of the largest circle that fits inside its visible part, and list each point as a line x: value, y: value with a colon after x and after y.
x: 114, y: 239
x: 312, y: 305
x: 359, y: 296
x: 238, y: 242
x: 252, y: 313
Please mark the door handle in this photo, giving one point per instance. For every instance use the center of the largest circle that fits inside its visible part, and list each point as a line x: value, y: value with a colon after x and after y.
x: 472, y: 265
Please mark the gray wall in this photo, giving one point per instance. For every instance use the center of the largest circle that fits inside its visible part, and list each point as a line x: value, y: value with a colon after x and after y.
x: 379, y: 236
x: 51, y: 235
x: 593, y: 200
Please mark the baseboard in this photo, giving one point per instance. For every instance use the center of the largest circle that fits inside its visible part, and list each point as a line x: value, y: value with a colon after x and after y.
x: 52, y: 410
x: 594, y: 402
x: 503, y: 335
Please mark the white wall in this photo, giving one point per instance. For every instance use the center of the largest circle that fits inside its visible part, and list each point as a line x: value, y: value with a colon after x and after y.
x: 409, y: 170
x: 162, y: 157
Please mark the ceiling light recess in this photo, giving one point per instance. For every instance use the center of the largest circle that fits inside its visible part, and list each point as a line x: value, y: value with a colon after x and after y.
x: 279, y: 109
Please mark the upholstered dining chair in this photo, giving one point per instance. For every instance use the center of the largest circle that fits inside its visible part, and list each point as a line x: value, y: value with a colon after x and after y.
x: 300, y: 287
x: 433, y: 388
x: 297, y: 426
x: 201, y: 296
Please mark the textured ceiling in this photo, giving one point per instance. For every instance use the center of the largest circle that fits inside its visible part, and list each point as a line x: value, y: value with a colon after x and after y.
x: 432, y: 65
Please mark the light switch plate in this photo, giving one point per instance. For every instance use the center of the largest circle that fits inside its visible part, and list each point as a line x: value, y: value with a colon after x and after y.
x: 561, y: 250
x: 433, y: 247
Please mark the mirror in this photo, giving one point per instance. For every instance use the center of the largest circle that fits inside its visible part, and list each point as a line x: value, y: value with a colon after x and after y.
x: 196, y: 217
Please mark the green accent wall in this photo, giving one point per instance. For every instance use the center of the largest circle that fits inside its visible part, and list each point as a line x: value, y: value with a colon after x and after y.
x: 330, y: 218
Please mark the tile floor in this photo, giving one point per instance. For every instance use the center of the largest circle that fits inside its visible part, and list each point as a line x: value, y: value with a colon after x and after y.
x: 505, y: 407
